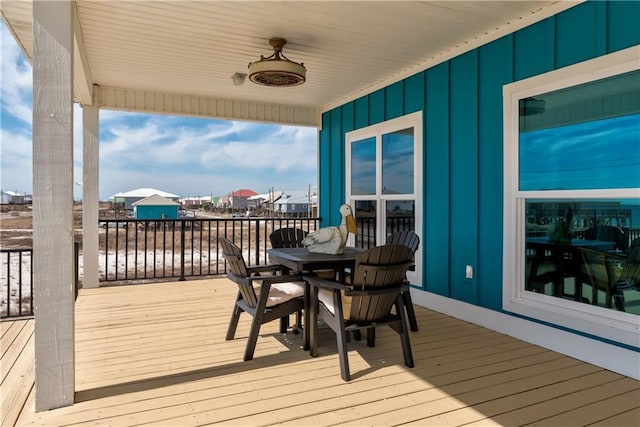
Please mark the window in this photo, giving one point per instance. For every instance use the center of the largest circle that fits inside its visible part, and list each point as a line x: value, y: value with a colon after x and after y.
x: 572, y: 197
x: 384, y: 176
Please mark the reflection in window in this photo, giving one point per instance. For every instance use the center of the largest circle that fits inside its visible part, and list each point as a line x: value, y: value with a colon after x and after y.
x: 587, y: 251
x: 584, y: 137
x: 592, y: 155
x: 400, y: 215
x: 363, y: 167
x: 397, y: 162
x: 365, y: 213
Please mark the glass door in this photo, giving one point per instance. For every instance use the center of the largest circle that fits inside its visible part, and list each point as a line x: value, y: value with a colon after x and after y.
x: 384, y: 175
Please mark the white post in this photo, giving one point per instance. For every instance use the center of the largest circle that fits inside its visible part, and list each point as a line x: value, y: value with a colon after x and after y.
x: 53, y: 247
x: 90, y: 198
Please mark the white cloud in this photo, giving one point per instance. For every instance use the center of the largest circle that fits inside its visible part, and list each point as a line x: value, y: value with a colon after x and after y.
x: 17, y: 79
x: 16, y: 161
x: 282, y: 148
x: 201, y: 157
x: 213, y: 146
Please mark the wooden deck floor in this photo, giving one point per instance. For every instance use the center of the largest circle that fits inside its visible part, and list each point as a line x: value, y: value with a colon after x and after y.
x: 156, y: 355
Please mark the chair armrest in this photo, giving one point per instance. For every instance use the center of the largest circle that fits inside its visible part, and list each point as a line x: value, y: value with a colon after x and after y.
x: 324, y: 283
x: 280, y: 278
x: 264, y: 268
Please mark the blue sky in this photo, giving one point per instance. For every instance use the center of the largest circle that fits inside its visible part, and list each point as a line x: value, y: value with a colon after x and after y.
x: 180, y: 155
x: 595, y: 154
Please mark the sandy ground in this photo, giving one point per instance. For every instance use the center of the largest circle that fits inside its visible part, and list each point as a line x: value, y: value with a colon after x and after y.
x: 16, y: 233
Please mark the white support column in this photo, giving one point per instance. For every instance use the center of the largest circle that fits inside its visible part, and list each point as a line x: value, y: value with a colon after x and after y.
x: 53, y: 247
x: 90, y: 199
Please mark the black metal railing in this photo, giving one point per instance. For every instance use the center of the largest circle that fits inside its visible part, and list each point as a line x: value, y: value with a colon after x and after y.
x: 17, y: 282
x: 133, y: 250
x: 147, y: 250
x: 366, y: 237
x: 629, y: 235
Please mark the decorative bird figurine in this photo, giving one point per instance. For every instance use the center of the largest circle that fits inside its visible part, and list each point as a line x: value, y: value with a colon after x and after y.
x: 332, y: 240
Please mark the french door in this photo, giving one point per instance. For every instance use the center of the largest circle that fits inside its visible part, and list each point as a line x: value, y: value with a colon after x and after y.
x: 384, y: 180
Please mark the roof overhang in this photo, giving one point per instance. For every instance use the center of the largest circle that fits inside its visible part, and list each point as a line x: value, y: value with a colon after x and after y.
x: 177, y: 57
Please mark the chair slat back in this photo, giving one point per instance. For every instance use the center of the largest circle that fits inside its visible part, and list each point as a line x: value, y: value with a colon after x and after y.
x: 383, y: 267
x: 596, y: 268
x: 610, y: 273
x: 607, y: 269
x: 238, y: 271
x: 608, y: 233
x: 628, y: 270
x: 634, y: 250
x: 406, y: 237
x: 288, y: 237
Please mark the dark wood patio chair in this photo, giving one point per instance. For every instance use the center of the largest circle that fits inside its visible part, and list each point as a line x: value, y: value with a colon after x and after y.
x: 378, y: 280
x: 265, y: 292
x: 411, y: 240
x: 288, y: 237
x: 608, y: 233
x: 611, y: 274
x: 634, y: 250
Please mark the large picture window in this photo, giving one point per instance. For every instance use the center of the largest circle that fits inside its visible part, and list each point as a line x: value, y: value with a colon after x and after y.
x: 572, y: 197
x: 384, y: 164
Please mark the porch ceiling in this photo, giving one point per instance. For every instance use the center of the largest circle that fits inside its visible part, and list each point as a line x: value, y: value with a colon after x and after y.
x: 193, y: 48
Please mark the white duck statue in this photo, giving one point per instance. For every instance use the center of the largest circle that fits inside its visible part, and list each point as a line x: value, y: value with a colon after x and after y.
x: 332, y: 240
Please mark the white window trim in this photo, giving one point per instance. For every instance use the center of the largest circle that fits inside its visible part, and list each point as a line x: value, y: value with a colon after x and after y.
x: 604, y: 323
x: 413, y: 120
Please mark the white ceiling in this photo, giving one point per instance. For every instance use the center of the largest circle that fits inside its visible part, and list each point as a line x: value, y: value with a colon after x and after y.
x: 348, y: 47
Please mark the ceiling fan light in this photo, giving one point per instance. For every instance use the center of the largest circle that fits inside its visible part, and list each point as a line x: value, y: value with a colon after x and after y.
x: 238, y: 78
x: 277, y: 69
x: 276, y: 72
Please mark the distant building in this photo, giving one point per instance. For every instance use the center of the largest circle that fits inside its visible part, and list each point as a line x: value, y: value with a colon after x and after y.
x: 261, y: 203
x: 130, y: 197
x: 239, y: 199
x: 13, y: 198
x: 294, y: 203
x: 155, y: 207
x: 217, y: 202
x: 195, y: 201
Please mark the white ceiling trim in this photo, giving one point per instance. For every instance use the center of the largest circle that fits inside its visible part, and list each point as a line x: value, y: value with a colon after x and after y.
x: 467, y: 46
x: 190, y: 105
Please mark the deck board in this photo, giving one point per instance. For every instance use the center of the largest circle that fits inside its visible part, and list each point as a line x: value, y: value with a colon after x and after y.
x: 156, y: 355
x: 17, y: 371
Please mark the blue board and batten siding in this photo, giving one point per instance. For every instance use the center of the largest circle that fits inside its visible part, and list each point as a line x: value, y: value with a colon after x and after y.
x: 463, y: 138
x: 156, y: 212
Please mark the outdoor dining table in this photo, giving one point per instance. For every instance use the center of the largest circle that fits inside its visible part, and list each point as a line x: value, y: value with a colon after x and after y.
x: 300, y: 259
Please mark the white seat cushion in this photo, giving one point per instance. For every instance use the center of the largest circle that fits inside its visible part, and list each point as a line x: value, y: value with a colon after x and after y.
x: 326, y: 297
x: 283, y: 292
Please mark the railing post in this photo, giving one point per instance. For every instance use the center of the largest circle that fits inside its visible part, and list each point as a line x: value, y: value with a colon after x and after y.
x: 182, y: 251
x: 19, y: 286
x: 257, y: 240
x: 76, y: 267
